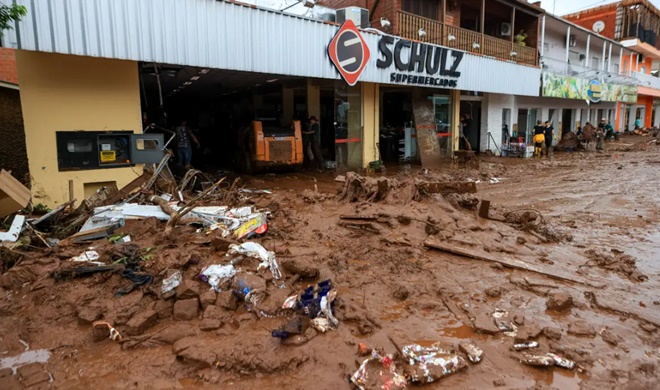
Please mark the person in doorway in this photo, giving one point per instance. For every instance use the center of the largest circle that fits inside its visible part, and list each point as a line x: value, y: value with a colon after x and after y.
x: 609, y: 130
x: 638, y: 124
x: 307, y: 135
x: 549, y: 138
x: 600, y: 134
x: 467, y: 131
x: 539, y: 139
x: 315, y: 130
x: 185, y: 137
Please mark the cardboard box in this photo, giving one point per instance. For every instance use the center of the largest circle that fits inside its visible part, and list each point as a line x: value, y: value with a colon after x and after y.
x: 13, y: 195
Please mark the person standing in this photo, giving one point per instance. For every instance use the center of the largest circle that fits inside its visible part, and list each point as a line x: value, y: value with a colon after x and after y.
x: 315, y: 130
x: 549, y: 137
x: 638, y: 124
x: 609, y: 131
x: 184, y: 136
x: 539, y: 139
x: 467, y: 130
x: 307, y: 135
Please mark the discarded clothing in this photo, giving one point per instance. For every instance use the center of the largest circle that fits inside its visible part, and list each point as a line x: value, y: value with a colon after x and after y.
x: 138, y: 279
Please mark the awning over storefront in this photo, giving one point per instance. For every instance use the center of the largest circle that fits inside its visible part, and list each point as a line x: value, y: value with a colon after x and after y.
x: 225, y: 35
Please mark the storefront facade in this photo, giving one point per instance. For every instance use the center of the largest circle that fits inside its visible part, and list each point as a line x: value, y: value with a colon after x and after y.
x: 97, y: 72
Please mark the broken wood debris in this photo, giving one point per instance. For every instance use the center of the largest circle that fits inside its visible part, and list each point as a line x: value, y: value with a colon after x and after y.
x: 516, y: 264
x: 457, y: 187
x: 365, y: 226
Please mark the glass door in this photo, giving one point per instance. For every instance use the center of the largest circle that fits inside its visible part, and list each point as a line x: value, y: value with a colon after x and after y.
x: 443, y: 117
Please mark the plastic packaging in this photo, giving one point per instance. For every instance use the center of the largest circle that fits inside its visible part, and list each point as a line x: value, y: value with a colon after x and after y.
x: 528, y: 345
x: 431, y: 363
x: 214, y: 274
x: 537, y: 360
x: 171, y: 282
x: 562, y: 362
x: 378, y: 372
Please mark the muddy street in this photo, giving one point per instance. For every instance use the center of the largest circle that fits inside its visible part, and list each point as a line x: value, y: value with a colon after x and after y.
x: 564, y: 268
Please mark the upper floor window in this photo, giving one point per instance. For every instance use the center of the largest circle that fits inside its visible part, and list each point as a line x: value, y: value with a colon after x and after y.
x: 425, y: 8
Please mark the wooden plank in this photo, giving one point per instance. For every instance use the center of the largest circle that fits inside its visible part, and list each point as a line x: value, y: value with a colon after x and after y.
x: 13, y: 195
x: 127, y: 189
x: 456, y: 187
x: 509, y: 263
x: 484, y: 208
x: 427, y: 135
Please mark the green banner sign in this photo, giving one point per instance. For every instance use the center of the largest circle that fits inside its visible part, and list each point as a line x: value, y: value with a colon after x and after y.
x: 592, y: 90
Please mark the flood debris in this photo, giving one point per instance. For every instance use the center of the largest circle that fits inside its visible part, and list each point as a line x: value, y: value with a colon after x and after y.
x: 523, y: 346
x: 474, y: 353
x: 379, y: 371
x: 430, y: 364
x: 617, y: 262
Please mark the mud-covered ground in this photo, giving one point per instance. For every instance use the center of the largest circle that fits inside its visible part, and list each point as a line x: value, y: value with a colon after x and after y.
x: 595, y: 231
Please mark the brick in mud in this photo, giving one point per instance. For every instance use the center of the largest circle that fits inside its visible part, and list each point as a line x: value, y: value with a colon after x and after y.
x: 187, y: 290
x: 226, y: 300
x: 301, y: 267
x: 163, y: 308
x: 216, y: 313
x: 87, y: 315
x: 186, y: 309
x: 484, y: 323
x: 559, y: 301
x: 32, y: 374
x: 141, y: 321
x: 207, y: 298
x: 208, y: 324
x: 552, y: 333
x: 581, y: 328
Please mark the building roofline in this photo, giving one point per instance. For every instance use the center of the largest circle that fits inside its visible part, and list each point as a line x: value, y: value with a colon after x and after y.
x: 591, y: 10
x: 5, y: 84
x: 577, y: 26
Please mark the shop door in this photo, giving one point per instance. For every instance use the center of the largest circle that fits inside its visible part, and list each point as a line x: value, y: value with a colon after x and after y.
x: 348, y: 126
x: 531, y: 122
x: 443, y: 118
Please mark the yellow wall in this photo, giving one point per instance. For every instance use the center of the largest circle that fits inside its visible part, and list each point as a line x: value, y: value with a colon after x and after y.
x: 64, y: 92
x: 370, y: 120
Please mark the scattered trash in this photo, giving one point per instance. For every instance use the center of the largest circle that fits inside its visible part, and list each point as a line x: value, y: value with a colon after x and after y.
x: 378, y: 371
x: 528, y: 345
x: 508, y: 328
x: 431, y: 363
x: 562, y: 362
x: 137, y: 277
x: 363, y: 350
x: 15, y: 229
x: 172, y: 282
x: 290, y: 302
x: 114, y: 333
x: 256, y: 224
x: 88, y: 256
x: 474, y: 353
x: 254, y: 250
x: 215, y: 274
x: 321, y: 324
x: 291, y: 328
x: 27, y: 357
x: 240, y: 212
x: 536, y: 360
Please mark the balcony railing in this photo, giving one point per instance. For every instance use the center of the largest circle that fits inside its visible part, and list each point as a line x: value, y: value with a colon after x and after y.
x: 462, y: 39
x: 646, y: 80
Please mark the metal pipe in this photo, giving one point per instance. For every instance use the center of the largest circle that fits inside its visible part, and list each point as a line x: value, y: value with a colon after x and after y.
x: 542, y: 35
x: 588, y: 48
x: 568, y: 41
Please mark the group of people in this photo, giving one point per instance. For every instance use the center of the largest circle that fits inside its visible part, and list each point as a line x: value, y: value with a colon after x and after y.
x: 603, y: 131
x: 544, y: 134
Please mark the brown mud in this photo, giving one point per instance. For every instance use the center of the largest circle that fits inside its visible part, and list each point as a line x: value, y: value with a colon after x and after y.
x: 589, y: 217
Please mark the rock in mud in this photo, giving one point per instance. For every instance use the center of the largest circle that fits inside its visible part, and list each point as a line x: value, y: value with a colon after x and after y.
x: 32, y: 374
x: 648, y: 327
x: 499, y: 382
x: 401, y: 293
x: 87, y: 315
x: 559, y: 301
x: 186, y: 309
x: 519, y: 319
x: 272, y: 304
x: 163, y: 308
x: 195, y: 351
x: 304, y: 268
x: 552, y: 333
x: 610, y: 337
x: 141, y: 321
x: 187, y: 290
x: 484, y: 323
x: 527, y: 333
x: 208, y: 324
x: 581, y: 328
x: 521, y: 240
x: 493, y: 292
x: 226, y: 300
x: 208, y: 297
x: 216, y: 313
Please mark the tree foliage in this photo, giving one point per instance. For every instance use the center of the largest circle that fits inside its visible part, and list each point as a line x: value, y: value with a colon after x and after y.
x: 9, y: 14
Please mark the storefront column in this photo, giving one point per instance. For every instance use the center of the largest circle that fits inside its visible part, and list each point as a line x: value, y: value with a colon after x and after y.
x: 455, y: 101
x: 370, y: 121
x: 287, y: 106
x: 313, y: 99
x: 656, y: 120
x: 647, y: 112
x: 631, y: 117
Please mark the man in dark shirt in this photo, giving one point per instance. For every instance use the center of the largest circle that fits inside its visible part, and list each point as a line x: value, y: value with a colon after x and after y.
x: 549, y: 137
x: 315, y: 133
x: 184, y: 136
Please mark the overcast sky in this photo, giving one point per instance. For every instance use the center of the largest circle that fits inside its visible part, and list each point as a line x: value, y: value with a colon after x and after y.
x: 563, y: 7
